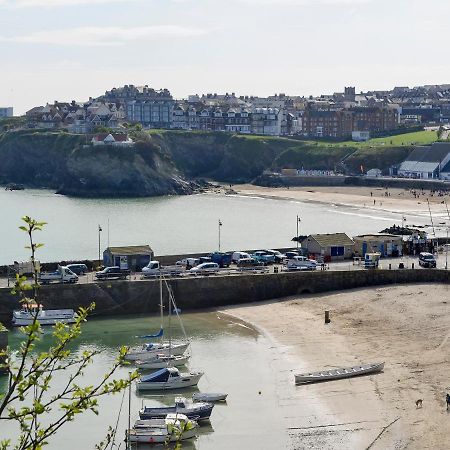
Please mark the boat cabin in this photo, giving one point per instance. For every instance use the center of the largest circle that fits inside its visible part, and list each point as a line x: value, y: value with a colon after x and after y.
x: 161, y: 376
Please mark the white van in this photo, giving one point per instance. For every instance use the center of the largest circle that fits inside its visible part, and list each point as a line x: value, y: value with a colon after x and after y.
x: 237, y: 256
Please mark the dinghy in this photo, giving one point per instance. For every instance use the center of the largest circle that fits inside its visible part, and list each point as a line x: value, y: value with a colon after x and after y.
x: 209, y: 397
x: 173, y: 428
x: 337, y: 374
x: 196, y: 411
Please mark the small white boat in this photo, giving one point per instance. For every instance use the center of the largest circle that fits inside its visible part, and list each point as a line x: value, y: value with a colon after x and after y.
x: 168, y: 379
x: 160, y: 361
x: 26, y: 316
x: 153, y: 349
x: 174, y: 428
x: 337, y: 374
x: 209, y: 397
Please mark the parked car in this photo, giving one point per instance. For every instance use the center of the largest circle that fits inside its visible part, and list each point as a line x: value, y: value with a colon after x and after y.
x: 223, y: 259
x: 249, y: 262
x: 237, y: 256
x: 263, y: 256
x: 301, y: 263
x: 79, y: 269
x: 192, y: 262
x: 278, y: 256
x: 62, y: 275
x: 112, y: 273
x: 205, y: 268
x: 293, y: 254
x: 427, y: 260
x: 155, y: 269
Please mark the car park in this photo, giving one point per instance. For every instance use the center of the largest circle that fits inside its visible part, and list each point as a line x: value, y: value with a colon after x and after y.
x: 427, y: 260
x: 79, y: 269
x: 112, y: 273
x: 205, y: 268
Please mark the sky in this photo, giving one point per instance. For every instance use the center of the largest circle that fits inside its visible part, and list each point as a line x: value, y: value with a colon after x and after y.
x: 73, y: 49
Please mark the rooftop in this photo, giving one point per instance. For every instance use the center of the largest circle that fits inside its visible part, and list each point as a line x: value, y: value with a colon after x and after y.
x: 331, y: 240
x: 131, y: 250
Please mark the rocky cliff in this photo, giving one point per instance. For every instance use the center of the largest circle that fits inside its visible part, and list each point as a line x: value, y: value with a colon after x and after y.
x: 167, y: 162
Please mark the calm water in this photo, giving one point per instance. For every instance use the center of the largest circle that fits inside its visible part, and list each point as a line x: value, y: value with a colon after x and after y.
x: 235, y: 359
x: 173, y: 225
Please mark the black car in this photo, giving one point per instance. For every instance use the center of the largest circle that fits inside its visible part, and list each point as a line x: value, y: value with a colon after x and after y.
x: 112, y: 273
x: 79, y: 269
x: 427, y: 260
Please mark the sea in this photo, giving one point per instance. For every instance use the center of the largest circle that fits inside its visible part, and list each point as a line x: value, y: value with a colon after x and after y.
x: 175, y: 225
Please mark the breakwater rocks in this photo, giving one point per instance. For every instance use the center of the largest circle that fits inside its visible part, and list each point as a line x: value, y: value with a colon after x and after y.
x: 115, y: 298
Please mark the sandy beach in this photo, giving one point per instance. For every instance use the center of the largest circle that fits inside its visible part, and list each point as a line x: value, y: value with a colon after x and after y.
x: 396, y: 200
x: 408, y: 327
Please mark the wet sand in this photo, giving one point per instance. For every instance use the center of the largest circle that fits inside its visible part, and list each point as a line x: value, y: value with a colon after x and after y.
x: 408, y: 327
x: 398, y: 200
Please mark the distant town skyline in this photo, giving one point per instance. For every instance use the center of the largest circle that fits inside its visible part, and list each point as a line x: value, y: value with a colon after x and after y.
x: 72, y: 49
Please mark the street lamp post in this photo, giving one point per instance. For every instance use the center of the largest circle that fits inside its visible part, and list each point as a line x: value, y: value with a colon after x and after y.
x: 446, y: 249
x: 298, y: 221
x: 99, y: 242
x: 220, y: 226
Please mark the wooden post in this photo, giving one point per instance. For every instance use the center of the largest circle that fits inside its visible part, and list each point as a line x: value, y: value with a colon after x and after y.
x: 327, y: 317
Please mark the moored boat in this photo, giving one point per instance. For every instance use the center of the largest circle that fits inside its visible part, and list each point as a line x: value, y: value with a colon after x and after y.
x: 168, y: 379
x: 173, y: 428
x: 198, y: 411
x: 337, y: 374
x: 209, y: 397
x: 152, y: 349
x: 159, y: 361
x: 27, y: 315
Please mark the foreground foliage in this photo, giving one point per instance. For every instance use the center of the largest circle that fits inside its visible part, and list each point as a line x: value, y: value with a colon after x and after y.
x: 29, y: 400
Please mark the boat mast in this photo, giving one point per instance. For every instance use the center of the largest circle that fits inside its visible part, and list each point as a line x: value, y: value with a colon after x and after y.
x: 170, y: 318
x: 161, y: 310
x: 129, y: 414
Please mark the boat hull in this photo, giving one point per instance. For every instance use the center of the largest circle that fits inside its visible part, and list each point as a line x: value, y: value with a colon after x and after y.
x: 45, y: 317
x: 166, y: 349
x: 212, y: 397
x: 181, y: 382
x: 158, y: 436
x: 338, y: 374
x: 193, y: 413
x: 161, y: 363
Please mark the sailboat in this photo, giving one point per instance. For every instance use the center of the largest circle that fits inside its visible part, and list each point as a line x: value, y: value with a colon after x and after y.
x: 153, y: 350
x: 160, y: 361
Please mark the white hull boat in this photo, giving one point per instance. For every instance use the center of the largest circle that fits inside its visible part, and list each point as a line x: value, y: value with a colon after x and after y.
x: 44, y: 316
x: 150, y: 350
x: 168, y: 379
x: 338, y: 374
x: 174, y: 428
x: 209, y: 397
x: 161, y: 361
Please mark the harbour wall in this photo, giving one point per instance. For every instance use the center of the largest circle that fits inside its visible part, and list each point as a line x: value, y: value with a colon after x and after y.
x: 117, y: 298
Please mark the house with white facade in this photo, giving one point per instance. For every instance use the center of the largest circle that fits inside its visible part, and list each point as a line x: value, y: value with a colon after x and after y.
x: 117, y: 140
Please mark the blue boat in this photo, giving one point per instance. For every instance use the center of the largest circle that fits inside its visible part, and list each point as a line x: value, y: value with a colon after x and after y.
x: 196, y: 411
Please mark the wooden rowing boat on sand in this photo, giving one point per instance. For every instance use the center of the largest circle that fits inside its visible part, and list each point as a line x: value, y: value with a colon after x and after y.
x: 337, y: 374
